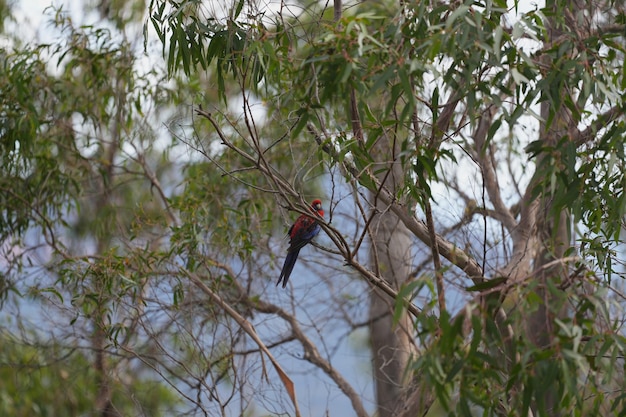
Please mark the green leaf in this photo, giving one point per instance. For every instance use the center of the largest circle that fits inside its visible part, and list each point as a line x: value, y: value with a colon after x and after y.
x: 238, y: 9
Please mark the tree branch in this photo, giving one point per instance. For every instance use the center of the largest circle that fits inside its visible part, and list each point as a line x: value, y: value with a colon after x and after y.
x: 448, y: 250
x: 311, y: 353
x: 609, y: 116
x: 488, y: 170
x: 285, y: 189
x: 249, y: 329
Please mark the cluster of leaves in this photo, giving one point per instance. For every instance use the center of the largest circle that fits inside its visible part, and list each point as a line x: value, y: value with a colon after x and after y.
x: 231, y: 46
x: 35, y: 182
x: 468, y: 375
x: 77, y: 161
x: 43, y: 379
x: 46, y: 160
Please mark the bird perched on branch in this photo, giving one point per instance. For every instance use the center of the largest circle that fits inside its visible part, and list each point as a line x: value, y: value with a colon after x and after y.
x: 300, y: 233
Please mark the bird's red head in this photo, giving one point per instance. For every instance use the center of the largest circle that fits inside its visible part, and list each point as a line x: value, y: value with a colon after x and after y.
x: 316, y: 205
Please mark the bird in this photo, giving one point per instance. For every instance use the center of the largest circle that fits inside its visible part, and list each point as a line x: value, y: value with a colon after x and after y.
x: 300, y: 233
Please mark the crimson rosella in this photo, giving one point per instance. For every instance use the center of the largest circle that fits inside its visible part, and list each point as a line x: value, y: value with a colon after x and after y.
x: 300, y: 233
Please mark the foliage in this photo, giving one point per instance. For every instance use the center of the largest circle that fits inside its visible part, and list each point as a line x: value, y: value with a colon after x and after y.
x: 490, y: 136
x: 74, y: 138
x: 48, y: 380
x: 443, y: 82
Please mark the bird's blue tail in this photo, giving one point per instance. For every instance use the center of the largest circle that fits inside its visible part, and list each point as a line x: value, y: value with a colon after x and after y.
x: 290, y: 261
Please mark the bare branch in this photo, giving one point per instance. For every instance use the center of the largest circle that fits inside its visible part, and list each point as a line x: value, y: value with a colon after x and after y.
x: 249, y: 329
x: 311, y: 353
x: 488, y: 169
x: 441, y: 295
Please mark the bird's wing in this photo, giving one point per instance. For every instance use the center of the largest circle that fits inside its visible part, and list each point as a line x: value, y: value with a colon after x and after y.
x: 302, y: 232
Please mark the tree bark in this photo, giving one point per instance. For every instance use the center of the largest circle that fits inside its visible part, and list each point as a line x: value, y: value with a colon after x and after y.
x: 390, y: 252
x: 553, y: 228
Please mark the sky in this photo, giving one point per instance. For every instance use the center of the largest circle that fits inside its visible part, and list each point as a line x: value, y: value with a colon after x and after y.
x: 30, y: 16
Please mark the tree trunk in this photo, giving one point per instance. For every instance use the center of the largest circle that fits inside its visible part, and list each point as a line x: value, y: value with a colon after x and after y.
x: 553, y: 228
x: 392, y: 344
